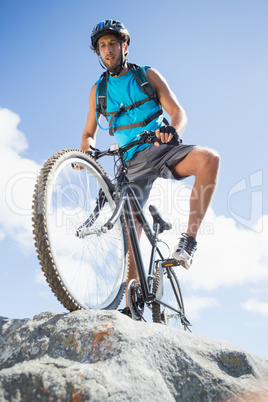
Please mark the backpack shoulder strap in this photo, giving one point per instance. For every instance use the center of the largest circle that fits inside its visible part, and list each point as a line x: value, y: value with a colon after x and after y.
x: 143, y: 82
x: 102, y: 95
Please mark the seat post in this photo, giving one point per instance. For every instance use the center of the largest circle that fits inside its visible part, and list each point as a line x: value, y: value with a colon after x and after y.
x: 152, y: 259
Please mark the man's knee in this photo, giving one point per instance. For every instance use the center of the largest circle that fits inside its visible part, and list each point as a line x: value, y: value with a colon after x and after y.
x: 209, y: 160
x: 214, y: 159
x: 199, y: 161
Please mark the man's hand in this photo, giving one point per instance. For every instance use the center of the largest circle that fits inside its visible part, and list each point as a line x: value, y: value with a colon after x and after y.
x: 78, y: 167
x: 167, y: 134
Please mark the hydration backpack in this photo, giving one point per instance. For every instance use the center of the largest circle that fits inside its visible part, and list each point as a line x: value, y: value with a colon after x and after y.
x: 145, y: 87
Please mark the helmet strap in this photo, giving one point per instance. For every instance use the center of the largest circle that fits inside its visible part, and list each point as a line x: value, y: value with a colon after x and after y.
x: 101, y: 63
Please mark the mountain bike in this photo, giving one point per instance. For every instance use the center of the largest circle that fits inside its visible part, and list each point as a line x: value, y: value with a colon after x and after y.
x: 83, y: 225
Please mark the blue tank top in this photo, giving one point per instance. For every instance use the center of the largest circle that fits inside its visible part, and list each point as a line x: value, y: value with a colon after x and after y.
x: 126, y: 90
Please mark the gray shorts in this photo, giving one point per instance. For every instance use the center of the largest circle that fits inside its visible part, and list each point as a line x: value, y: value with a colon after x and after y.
x: 153, y: 162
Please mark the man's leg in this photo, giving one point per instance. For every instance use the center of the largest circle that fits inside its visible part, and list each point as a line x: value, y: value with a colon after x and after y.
x: 203, y: 163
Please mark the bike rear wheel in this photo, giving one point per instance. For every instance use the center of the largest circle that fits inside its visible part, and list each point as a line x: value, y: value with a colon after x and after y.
x: 171, y: 295
x: 85, y: 267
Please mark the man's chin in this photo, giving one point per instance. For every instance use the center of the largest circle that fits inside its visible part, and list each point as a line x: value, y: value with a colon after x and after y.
x: 111, y: 66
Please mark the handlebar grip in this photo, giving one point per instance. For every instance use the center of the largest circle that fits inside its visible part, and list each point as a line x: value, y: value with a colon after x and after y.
x: 155, y: 139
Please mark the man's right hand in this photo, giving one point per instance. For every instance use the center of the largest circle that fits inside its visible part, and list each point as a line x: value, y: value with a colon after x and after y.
x: 78, y: 167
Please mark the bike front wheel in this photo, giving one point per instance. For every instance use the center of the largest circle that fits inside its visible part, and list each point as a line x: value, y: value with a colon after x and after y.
x: 167, y: 289
x: 85, y: 265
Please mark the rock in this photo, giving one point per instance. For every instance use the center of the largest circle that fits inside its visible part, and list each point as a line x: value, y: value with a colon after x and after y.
x: 105, y: 356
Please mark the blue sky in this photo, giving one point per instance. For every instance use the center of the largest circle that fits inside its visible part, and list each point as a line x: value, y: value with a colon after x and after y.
x: 214, y: 57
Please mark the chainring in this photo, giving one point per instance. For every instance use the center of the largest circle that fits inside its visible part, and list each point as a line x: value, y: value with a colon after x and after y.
x: 135, y: 299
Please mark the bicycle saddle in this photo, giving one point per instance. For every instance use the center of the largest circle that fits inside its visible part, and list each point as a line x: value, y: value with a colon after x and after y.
x: 157, y: 219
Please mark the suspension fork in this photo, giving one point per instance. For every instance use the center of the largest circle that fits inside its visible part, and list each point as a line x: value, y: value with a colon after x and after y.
x: 100, y: 201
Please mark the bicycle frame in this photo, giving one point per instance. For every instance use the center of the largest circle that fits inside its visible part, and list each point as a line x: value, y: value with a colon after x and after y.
x: 127, y: 203
x: 146, y: 286
x: 127, y: 200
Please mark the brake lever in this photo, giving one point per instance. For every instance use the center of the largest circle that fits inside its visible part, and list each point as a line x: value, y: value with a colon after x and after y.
x: 148, y: 137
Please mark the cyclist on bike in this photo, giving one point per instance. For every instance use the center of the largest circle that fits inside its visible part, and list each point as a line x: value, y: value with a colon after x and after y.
x: 119, y: 96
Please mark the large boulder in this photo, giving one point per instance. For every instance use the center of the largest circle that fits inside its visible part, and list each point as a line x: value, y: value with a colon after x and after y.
x: 105, y: 356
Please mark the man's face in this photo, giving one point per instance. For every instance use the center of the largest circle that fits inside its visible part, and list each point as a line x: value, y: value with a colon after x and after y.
x: 110, y: 51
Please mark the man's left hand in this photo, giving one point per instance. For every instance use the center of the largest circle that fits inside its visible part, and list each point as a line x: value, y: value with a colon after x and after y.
x: 166, y: 134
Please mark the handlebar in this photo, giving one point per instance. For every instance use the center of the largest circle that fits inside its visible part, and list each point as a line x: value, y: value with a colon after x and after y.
x: 146, y: 137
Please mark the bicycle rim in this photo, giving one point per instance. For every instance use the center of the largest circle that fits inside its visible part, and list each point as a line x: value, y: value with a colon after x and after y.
x: 171, y: 295
x: 91, y: 269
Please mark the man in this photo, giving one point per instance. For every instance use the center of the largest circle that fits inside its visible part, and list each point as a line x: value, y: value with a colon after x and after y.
x: 130, y: 112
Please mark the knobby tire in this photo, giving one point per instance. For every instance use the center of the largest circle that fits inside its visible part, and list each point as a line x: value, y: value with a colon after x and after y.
x: 172, y: 296
x: 89, y: 272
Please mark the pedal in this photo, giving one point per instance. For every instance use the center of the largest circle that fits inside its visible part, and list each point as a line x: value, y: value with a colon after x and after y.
x: 170, y: 262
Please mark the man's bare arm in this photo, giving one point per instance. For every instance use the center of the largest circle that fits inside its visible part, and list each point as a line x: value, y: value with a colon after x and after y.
x: 90, y: 130
x: 169, y: 102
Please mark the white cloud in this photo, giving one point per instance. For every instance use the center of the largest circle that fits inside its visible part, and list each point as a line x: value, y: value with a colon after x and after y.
x: 227, y: 255
x: 10, y: 136
x: 254, y: 305
x: 194, y: 305
x: 2, y: 235
x: 231, y: 256
x: 17, y: 178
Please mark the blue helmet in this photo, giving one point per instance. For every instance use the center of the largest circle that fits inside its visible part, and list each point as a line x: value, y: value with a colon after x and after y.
x: 109, y: 27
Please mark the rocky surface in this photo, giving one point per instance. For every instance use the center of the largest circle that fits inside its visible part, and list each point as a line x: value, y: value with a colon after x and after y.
x: 105, y: 356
